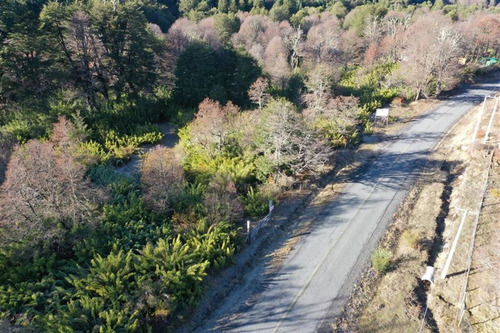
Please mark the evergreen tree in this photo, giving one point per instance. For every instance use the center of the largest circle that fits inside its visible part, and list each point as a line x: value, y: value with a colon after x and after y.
x: 223, y: 6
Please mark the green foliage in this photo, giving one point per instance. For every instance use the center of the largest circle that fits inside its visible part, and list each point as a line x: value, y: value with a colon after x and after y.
x: 124, y: 276
x: 190, y: 198
x: 120, y: 148
x: 256, y: 203
x: 381, y: 259
x: 27, y: 124
x: 279, y: 12
x: 356, y: 18
x: 338, y: 9
x: 119, y: 184
x: 365, y: 83
x: 127, y: 114
x: 116, y: 148
x: 200, y: 166
x: 126, y: 225
x: 226, y: 25
x: 200, y: 69
x: 201, y: 163
x: 100, y: 299
x: 30, y: 288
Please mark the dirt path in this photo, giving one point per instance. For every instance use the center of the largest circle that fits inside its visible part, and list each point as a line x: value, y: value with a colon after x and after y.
x: 133, y: 166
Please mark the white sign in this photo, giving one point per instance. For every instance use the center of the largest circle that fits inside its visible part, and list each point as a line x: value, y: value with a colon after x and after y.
x: 382, y: 113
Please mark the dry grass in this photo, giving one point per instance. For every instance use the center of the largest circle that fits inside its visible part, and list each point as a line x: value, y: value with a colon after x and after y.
x: 483, y: 290
x: 483, y: 297
x: 411, y: 238
x: 393, y: 306
x: 391, y: 303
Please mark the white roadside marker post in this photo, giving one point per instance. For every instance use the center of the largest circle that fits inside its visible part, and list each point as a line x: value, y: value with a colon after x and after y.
x: 454, y: 245
x: 491, y: 122
x: 479, y: 120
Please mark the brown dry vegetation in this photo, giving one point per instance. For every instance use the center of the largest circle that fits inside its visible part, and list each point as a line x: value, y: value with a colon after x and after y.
x: 396, y: 301
x: 483, y: 290
x: 395, y: 306
x: 483, y: 293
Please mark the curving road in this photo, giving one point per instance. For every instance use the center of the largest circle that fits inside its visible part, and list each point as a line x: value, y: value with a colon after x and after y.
x: 317, y: 276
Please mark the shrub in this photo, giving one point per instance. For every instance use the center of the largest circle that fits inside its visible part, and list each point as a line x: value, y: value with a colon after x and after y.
x: 119, y: 184
x: 121, y: 148
x: 162, y: 178
x: 256, y: 203
x: 190, y: 197
x: 115, y: 148
x: 221, y: 202
x: 381, y: 260
x: 27, y: 124
x: 411, y: 238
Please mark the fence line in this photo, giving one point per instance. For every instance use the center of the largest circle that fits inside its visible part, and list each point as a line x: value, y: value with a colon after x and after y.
x: 253, y: 232
x: 463, y: 293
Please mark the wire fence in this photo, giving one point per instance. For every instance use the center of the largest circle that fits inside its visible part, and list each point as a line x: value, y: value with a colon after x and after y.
x: 462, y: 321
x: 252, y: 232
x: 463, y: 294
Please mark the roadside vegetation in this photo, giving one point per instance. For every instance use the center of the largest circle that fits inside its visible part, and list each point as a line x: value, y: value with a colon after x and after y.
x: 262, y: 93
x: 421, y: 235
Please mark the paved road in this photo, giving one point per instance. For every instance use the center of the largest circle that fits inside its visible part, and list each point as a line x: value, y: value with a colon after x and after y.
x: 317, y: 275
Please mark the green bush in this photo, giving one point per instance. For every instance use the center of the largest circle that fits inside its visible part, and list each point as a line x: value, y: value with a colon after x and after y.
x: 381, y: 259
x: 27, y: 124
x: 255, y: 203
x: 119, y: 184
x: 365, y: 83
x: 116, y: 148
x: 125, y: 115
x: 191, y: 197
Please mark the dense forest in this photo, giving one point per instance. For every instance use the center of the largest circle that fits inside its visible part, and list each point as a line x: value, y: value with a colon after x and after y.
x: 262, y: 93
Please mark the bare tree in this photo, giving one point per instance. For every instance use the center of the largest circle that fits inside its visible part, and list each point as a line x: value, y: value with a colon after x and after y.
x: 46, y: 193
x: 319, y: 86
x: 373, y: 30
x: 255, y: 34
x: 284, y: 139
x: 481, y: 32
x: 258, y: 92
x: 162, y: 177
x: 323, y: 43
x: 184, y: 31
x: 276, y: 61
x: 395, y: 25
x: 213, y: 124
x: 221, y: 202
x: 430, y: 59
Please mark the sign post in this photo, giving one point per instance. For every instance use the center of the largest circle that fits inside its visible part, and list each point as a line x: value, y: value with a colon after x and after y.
x: 382, y: 114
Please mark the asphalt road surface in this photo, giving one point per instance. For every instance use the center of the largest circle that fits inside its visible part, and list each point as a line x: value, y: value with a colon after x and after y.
x: 318, y: 274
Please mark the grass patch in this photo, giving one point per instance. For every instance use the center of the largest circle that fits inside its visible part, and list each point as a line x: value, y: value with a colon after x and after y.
x: 381, y: 259
x: 411, y: 238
